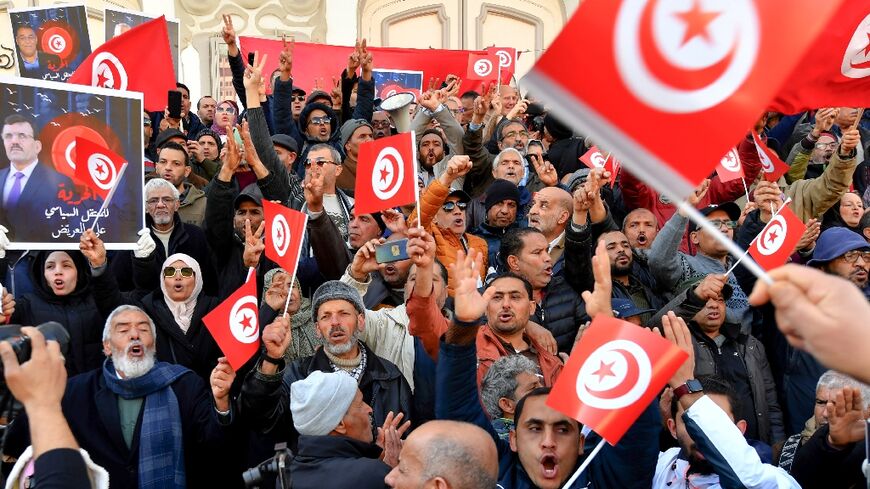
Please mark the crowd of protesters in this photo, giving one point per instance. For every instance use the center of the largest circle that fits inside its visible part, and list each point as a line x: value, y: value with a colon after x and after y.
x: 433, y: 371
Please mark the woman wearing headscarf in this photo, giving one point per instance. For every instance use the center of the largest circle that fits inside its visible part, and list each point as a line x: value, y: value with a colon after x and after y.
x: 227, y: 112
x: 177, y: 308
x: 846, y: 213
x: 63, y: 292
x: 303, y: 342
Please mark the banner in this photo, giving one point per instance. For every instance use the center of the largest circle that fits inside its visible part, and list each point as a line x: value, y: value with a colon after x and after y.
x: 50, y: 42
x: 120, y: 20
x: 314, y: 61
x: 40, y: 123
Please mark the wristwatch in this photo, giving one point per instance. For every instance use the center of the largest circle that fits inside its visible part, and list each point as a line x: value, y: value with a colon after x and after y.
x: 690, y: 387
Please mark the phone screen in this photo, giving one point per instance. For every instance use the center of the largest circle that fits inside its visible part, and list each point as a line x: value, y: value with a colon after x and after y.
x: 174, y: 104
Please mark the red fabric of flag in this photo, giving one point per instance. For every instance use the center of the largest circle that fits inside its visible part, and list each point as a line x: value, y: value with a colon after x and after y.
x: 234, y: 324
x: 97, y: 167
x: 386, y: 174
x: 776, y: 242
x: 285, y: 231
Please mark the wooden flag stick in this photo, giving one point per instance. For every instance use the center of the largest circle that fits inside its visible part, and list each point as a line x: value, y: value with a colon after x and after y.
x: 111, y: 194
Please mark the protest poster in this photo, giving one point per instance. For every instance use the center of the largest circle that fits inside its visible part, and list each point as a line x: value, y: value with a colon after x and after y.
x: 50, y: 42
x: 390, y: 82
x: 118, y: 21
x: 43, y: 203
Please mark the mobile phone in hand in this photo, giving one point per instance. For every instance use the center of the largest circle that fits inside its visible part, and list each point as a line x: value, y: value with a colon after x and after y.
x: 392, y: 251
x: 174, y: 104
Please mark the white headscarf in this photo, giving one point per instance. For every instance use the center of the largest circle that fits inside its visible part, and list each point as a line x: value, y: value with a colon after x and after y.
x: 182, y: 311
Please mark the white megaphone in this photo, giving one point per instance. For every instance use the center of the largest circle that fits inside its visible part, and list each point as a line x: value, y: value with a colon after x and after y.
x: 397, y: 106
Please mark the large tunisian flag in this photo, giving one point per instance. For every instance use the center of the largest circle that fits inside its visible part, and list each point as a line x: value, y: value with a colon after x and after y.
x: 665, y: 67
x: 138, y: 60
x: 614, y: 372
x: 835, y: 71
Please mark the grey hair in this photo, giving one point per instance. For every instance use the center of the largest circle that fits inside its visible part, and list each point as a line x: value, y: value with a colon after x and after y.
x: 107, y: 329
x: 834, y: 380
x: 497, y: 159
x: 159, y: 183
x: 336, y: 156
x: 501, y: 381
x: 463, y: 467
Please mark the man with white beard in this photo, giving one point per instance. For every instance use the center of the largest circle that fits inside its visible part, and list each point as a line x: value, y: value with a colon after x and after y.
x: 148, y: 423
x: 339, y: 316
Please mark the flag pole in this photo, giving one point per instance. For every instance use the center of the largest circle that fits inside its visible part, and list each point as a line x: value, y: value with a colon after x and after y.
x: 584, y: 464
x: 729, y: 244
x: 745, y: 188
x: 111, y: 194
x: 416, y: 179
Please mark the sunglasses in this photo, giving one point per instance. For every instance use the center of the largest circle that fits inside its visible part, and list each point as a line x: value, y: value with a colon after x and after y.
x: 449, y: 206
x: 146, y: 122
x: 320, y: 121
x: 319, y: 162
x: 170, y: 272
x: 228, y: 110
x: 298, y: 98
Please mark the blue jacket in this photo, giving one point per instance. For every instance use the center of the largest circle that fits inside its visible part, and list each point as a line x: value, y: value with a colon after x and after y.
x: 631, y: 463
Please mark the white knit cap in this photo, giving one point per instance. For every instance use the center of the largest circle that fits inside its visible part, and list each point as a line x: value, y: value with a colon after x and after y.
x: 319, y: 401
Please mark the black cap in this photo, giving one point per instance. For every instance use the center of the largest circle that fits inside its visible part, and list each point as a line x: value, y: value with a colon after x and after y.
x: 298, y: 91
x: 730, y: 208
x: 463, y: 196
x: 167, y: 134
x: 251, y: 193
x: 285, y: 142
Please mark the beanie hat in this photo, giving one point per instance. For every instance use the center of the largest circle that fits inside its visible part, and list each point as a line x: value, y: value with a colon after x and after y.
x: 336, y: 290
x: 213, y: 135
x: 319, y: 402
x: 348, y: 128
x: 835, y: 242
x: 500, y: 190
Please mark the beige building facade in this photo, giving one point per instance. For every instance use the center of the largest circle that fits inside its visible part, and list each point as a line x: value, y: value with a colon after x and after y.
x: 528, y: 25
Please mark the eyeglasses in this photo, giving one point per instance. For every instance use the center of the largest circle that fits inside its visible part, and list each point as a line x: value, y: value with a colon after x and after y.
x: 513, y: 134
x: 852, y: 256
x: 830, y: 145
x: 457, y: 111
x: 381, y: 124
x: 170, y: 272
x: 9, y: 136
x: 318, y: 162
x: 449, y: 206
x: 167, y: 201
x: 719, y: 223
x: 320, y: 121
x: 228, y: 110
x: 30, y: 38
x: 298, y: 98
x: 146, y: 121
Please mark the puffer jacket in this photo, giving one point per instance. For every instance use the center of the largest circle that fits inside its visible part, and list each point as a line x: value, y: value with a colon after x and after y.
x: 561, y: 311
x: 446, y: 243
x: 265, y: 399
x: 76, y: 312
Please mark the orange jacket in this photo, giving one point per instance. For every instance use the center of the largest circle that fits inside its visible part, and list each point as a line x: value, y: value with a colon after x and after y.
x: 447, y: 244
x: 490, y: 349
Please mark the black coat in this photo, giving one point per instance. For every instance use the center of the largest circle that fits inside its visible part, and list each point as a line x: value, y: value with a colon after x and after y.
x: 92, y: 412
x: 561, y: 311
x: 77, y: 312
x: 346, y: 464
x: 264, y: 403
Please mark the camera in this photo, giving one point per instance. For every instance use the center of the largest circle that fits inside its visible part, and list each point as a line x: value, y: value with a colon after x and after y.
x: 275, y: 467
x: 21, y: 343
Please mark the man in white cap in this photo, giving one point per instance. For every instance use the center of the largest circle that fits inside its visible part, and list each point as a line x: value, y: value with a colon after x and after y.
x: 335, y: 435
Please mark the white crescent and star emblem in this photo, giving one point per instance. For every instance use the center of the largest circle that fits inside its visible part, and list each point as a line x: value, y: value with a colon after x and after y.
x: 483, y: 67
x: 773, y: 236
x: 614, y: 376
x: 688, y: 55
x: 856, y: 58
x: 388, y: 174
x: 108, y: 72
x: 280, y: 234
x: 731, y: 161
x: 244, y: 324
x: 102, y: 170
x: 504, y: 58
x: 598, y: 160
x: 57, y: 43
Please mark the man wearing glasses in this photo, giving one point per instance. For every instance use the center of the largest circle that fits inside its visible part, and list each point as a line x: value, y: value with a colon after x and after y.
x: 842, y: 252
x: 27, y: 188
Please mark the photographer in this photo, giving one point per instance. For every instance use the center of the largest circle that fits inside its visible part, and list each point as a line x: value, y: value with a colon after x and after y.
x: 38, y: 384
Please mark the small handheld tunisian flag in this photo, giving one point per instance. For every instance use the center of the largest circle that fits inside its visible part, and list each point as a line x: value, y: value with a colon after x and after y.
x: 835, y: 72
x: 138, y: 60
x: 594, y: 158
x: 483, y: 67
x: 678, y: 67
x: 613, y: 374
x: 285, y: 230
x: 776, y: 242
x: 386, y: 174
x: 729, y: 167
x: 97, y: 167
x: 507, y: 61
x: 771, y: 166
x: 235, y: 325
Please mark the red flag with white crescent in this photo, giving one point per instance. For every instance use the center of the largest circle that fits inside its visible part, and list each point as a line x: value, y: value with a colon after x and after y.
x: 235, y: 325
x: 673, y: 67
x: 97, y: 167
x: 730, y: 167
x: 776, y: 242
x: 483, y: 67
x: 614, y: 372
x: 386, y: 174
x: 771, y: 166
x: 284, y: 231
x: 595, y: 158
x: 507, y: 61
